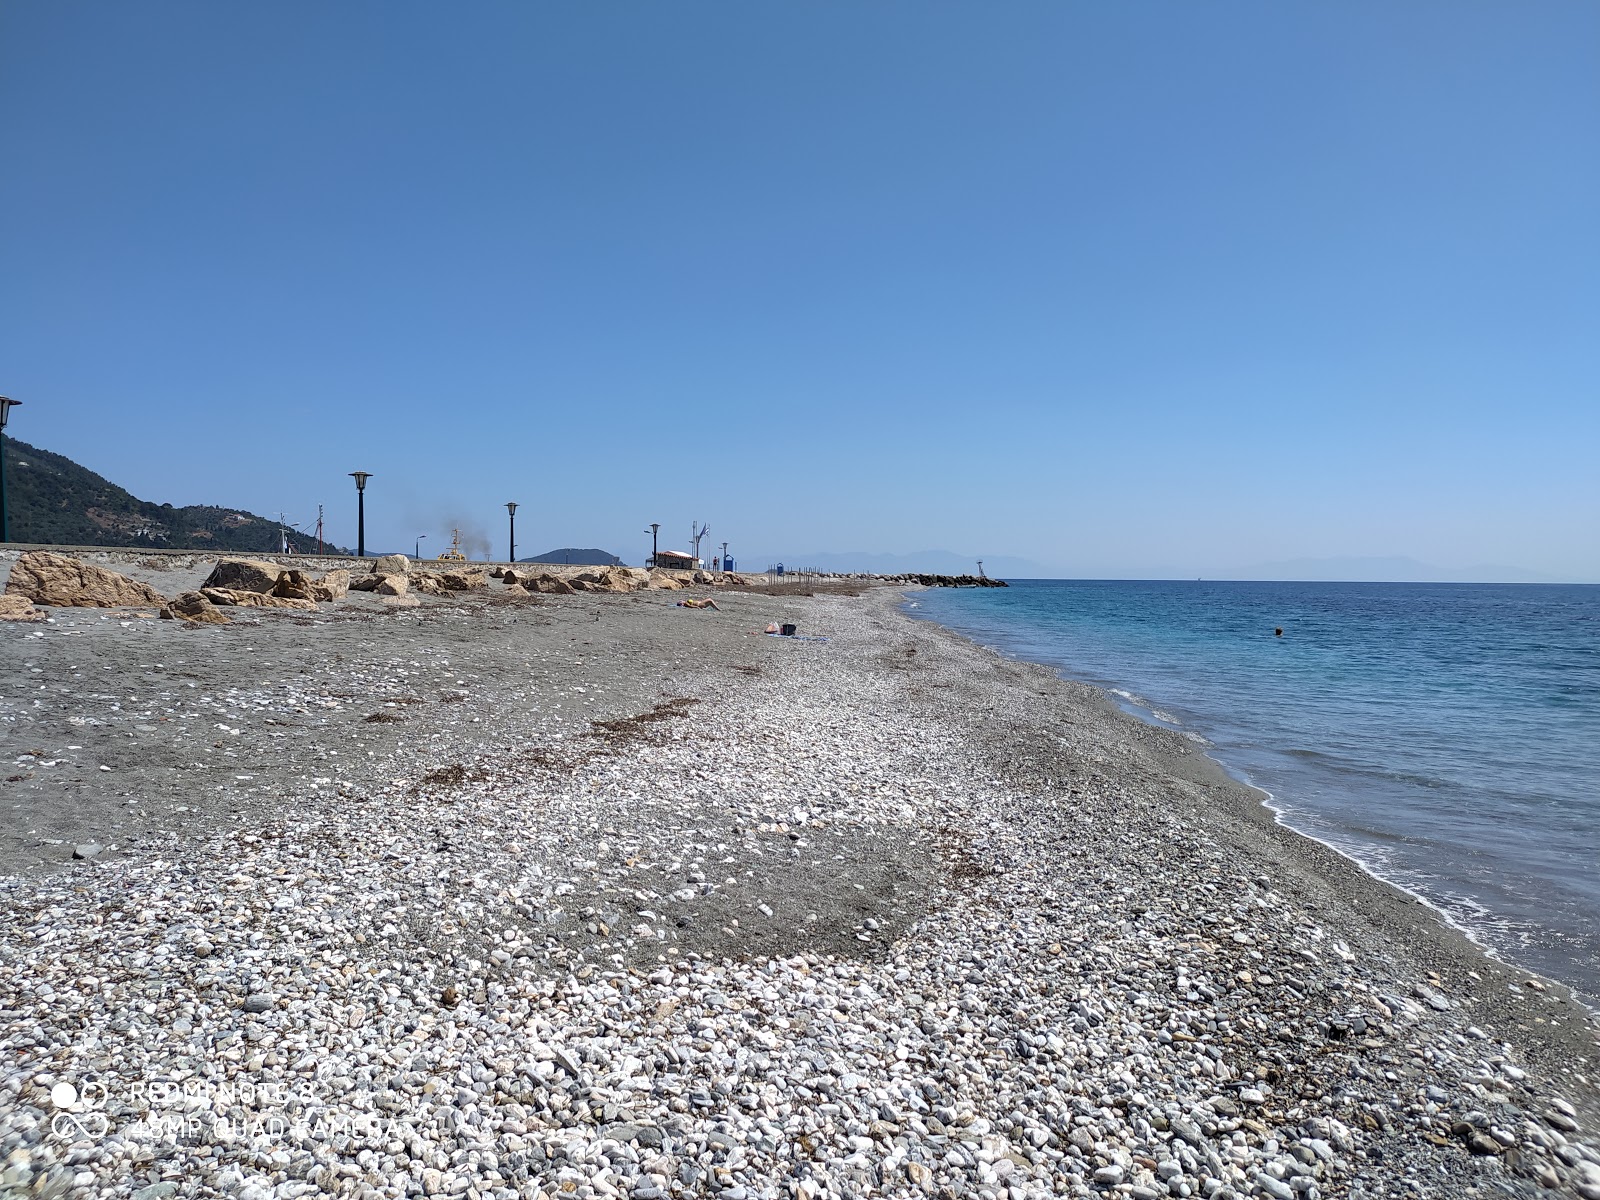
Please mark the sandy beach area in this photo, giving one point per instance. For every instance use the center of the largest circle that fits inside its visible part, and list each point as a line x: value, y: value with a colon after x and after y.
x: 595, y: 895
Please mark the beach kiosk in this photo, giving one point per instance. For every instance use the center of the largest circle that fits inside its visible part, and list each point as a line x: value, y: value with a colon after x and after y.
x: 674, y: 560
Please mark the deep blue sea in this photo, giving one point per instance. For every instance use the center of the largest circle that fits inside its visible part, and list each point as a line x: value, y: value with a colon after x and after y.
x: 1444, y: 735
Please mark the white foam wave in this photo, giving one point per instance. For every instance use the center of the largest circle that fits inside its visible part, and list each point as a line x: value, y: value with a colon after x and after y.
x: 1375, y: 861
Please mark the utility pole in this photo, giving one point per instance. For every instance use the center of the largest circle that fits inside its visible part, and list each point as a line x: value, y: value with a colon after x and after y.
x: 319, y: 529
x: 695, y: 538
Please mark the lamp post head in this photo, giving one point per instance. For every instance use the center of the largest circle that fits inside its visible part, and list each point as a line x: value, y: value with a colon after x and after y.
x: 361, y: 478
x: 511, y: 507
x: 6, y: 405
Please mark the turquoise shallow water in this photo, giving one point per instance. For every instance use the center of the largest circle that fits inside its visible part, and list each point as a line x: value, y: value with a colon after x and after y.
x: 1443, y: 735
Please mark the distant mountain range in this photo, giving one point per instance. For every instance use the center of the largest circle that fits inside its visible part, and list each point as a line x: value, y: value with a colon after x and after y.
x: 574, y: 556
x: 1381, y: 570
x: 53, y: 501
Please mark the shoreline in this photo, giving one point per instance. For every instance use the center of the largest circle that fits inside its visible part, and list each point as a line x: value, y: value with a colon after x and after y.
x: 626, y: 897
x: 1251, y: 806
x: 1145, y: 712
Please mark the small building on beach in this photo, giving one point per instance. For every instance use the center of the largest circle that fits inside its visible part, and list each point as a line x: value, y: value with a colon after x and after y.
x: 674, y: 560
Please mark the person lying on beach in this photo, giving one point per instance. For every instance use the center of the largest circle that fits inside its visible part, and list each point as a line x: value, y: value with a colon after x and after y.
x: 706, y: 603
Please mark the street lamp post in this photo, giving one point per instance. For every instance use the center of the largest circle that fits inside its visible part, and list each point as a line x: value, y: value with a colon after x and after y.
x: 655, y: 528
x: 511, y: 510
x: 6, y: 405
x: 416, y: 550
x: 361, y: 478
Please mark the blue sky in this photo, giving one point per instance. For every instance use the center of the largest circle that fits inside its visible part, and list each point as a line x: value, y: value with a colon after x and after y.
x: 1146, y: 288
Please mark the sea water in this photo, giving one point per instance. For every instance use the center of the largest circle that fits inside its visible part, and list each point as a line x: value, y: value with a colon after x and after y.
x: 1445, y: 736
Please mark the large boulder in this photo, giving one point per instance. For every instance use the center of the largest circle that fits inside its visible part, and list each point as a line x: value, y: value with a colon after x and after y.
x: 391, y: 564
x: 464, y: 581
x: 244, y: 575
x: 634, y: 577
x: 512, y: 578
x: 18, y: 608
x: 60, y: 581
x: 428, y: 583
x: 666, y: 581
x: 623, y: 580
x: 295, y: 585
x: 610, y: 579
x: 392, y: 585
x: 193, y: 607
x: 226, y: 598
x: 332, y: 586
x: 259, y: 600
x: 550, y: 585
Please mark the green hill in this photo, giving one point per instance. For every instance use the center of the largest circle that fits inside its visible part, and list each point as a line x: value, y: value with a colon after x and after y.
x: 576, y: 556
x: 53, y: 501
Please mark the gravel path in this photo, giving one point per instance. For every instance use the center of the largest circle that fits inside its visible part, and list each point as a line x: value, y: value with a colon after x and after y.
x: 628, y: 902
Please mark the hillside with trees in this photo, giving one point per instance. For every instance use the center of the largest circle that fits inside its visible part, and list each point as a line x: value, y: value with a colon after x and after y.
x: 54, y: 501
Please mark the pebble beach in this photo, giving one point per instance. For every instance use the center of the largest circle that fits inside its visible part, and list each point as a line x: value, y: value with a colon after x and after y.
x: 598, y: 896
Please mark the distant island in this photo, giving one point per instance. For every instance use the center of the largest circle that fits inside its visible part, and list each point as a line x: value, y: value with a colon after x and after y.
x: 53, y: 501
x: 574, y: 556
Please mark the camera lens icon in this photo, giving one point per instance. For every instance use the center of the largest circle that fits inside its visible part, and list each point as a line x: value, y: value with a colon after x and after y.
x: 79, y: 1111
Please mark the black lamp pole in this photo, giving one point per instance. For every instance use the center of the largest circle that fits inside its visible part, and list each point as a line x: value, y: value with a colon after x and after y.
x: 361, y: 478
x: 6, y: 405
x: 655, y: 528
x: 511, y: 509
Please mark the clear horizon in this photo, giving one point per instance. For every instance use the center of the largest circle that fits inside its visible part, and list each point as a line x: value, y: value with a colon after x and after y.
x: 1124, y: 292
x: 1346, y: 569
